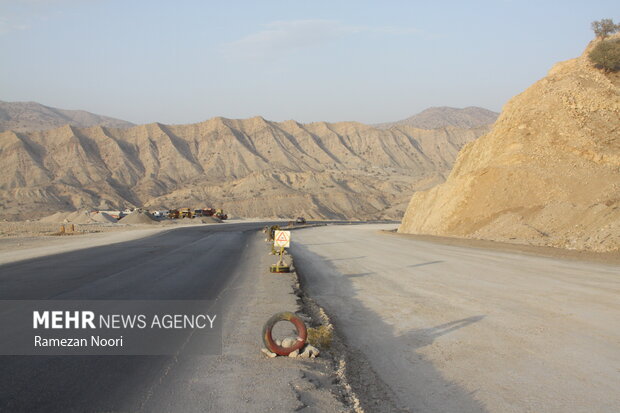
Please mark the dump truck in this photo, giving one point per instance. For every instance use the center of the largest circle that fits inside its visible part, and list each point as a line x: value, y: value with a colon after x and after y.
x: 186, y: 213
x: 173, y: 214
x: 208, y: 212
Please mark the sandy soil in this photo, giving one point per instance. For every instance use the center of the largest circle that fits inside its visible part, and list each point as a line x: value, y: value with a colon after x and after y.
x: 551, y: 252
x: 450, y: 328
x: 547, y: 173
x: 36, y: 228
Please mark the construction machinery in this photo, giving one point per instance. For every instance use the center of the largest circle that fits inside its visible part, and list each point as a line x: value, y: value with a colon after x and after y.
x: 192, y: 213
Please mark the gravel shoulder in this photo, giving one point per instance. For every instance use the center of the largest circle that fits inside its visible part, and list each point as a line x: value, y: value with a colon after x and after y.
x: 449, y: 328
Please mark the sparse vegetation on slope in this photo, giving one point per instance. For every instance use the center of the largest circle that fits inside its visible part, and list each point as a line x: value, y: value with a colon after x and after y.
x: 606, y: 55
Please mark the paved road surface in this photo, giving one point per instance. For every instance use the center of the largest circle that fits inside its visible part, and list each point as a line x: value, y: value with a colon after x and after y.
x: 455, y: 329
x: 226, y: 263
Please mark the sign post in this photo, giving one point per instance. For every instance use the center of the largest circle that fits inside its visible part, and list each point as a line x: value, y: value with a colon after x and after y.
x: 281, y: 239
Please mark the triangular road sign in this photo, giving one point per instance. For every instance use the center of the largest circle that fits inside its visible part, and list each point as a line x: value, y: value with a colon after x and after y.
x: 282, y: 239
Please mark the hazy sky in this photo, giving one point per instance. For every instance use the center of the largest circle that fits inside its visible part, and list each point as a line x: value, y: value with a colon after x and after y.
x: 370, y: 61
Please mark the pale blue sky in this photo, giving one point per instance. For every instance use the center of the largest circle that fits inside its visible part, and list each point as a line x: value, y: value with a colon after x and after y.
x: 370, y: 61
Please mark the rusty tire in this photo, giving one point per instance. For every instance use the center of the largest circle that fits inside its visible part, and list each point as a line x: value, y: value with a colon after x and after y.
x: 302, y: 333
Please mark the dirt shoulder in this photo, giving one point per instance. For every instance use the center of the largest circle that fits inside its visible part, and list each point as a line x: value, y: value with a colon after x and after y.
x: 550, y: 252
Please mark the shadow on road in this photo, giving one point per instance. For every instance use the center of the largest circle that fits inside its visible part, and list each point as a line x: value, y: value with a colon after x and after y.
x: 361, y: 274
x: 348, y: 258
x: 329, y: 243
x: 422, y: 337
x: 385, y: 367
x: 424, y: 263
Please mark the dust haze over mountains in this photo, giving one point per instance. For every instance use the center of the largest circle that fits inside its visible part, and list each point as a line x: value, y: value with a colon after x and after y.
x: 251, y: 167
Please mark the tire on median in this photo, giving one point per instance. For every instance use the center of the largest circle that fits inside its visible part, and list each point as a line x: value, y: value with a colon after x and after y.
x: 302, y: 333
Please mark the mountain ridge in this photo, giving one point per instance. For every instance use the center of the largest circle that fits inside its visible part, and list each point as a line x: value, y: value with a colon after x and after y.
x: 444, y: 116
x: 251, y: 167
x: 32, y: 116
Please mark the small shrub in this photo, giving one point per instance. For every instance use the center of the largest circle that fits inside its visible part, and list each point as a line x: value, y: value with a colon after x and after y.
x: 606, y: 55
x: 320, y: 337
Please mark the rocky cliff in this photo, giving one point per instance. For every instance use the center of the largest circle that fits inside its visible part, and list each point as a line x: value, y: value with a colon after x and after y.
x: 547, y: 174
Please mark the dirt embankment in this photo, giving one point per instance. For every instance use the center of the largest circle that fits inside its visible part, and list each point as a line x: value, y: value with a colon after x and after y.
x: 547, y: 174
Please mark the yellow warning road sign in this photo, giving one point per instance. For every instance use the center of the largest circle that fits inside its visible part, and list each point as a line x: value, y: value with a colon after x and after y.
x: 282, y: 239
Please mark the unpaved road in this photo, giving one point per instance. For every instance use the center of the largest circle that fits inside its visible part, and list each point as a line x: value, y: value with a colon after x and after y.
x: 226, y: 263
x: 456, y: 329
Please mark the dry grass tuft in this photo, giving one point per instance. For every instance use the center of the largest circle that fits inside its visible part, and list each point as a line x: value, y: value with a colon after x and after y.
x: 320, y: 336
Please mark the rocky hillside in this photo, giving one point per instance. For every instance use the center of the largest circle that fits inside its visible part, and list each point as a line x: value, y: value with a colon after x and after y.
x: 547, y: 174
x: 31, y: 116
x: 251, y: 168
x: 441, y: 117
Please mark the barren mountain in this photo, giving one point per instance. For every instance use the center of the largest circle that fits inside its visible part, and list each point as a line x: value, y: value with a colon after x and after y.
x: 441, y: 117
x: 251, y: 168
x: 31, y: 116
x: 548, y: 173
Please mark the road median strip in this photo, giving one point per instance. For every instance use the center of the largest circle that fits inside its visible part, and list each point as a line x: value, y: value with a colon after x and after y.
x: 319, y: 337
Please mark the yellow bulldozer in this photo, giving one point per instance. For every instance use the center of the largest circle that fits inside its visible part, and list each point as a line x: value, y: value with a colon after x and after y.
x: 220, y: 214
x: 186, y: 213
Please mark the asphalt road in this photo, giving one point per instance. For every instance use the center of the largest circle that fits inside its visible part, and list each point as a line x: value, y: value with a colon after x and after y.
x: 442, y: 328
x: 196, y: 263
